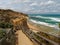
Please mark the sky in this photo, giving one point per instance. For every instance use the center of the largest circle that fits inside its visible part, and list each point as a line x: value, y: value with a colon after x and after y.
x: 32, y: 6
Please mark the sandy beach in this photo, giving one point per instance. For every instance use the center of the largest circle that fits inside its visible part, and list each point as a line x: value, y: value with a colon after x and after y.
x: 43, y: 28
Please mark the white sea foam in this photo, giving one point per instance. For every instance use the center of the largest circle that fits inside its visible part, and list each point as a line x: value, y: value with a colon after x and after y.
x: 39, y: 17
x: 43, y: 23
x: 56, y: 19
x: 52, y: 18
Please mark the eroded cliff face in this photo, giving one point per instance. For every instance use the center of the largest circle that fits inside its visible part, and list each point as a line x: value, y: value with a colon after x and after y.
x: 18, y: 20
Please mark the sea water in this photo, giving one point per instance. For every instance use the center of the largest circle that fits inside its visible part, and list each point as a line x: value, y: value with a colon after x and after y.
x: 51, y: 20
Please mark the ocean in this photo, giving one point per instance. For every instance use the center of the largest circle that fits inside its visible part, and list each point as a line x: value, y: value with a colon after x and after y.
x: 51, y: 20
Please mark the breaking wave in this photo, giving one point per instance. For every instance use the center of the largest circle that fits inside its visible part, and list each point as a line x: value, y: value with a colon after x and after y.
x: 51, y: 18
x: 47, y: 21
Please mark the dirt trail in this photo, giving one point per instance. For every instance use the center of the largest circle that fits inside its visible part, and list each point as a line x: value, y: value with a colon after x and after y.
x: 23, y: 39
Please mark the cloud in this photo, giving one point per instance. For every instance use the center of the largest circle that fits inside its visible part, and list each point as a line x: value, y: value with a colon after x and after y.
x: 33, y: 4
x: 26, y: 1
x: 50, y: 2
x: 47, y: 2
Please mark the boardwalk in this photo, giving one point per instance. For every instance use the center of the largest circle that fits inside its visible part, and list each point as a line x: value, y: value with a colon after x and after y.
x: 22, y: 39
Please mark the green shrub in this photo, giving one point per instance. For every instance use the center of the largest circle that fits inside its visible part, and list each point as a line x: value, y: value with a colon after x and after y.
x: 5, y: 25
x: 2, y: 33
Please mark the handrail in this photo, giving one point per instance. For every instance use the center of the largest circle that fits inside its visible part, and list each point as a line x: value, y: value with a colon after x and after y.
x: 2, y: 39
x: 47, y: 33
x: 48, y: 40
x: 5, y: 36
x: 52, y: 42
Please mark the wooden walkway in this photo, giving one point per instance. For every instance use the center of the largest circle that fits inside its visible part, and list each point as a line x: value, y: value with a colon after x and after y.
x: 23, y: 39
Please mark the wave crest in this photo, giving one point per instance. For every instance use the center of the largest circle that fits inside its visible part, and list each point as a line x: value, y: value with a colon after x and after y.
x: 43, y: 23
x: 51, y: 18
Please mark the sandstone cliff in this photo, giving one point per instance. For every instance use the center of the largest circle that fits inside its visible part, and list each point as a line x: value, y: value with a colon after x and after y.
x: 17, y: 19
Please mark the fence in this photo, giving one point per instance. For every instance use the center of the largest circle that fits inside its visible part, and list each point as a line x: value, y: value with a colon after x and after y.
x: 9, y: 38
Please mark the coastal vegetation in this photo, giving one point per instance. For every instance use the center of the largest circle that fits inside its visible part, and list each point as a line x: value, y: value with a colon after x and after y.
x: 2, y: 34
x: 48, y: 36
x: 41, y: 40
x: 5, y: 25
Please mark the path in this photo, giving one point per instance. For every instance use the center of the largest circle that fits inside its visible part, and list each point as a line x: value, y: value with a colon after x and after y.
x: 23, y: 39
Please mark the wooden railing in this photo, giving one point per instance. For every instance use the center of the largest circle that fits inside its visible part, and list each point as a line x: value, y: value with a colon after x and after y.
x: 39, y: 38
x: 7, y: 39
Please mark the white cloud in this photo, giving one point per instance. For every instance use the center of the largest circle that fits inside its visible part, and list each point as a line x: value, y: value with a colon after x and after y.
x: 50, y: 2
x: 31, y: 5
x: 26, y: 0
x: 47, y: 3
x: 34, y: 4
x: 20, y: 1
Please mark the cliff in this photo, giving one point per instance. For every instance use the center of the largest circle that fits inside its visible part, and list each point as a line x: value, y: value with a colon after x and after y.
x: 17, y: 19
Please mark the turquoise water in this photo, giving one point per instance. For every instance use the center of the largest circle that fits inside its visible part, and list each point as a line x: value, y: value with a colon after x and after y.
x: 51, y: 20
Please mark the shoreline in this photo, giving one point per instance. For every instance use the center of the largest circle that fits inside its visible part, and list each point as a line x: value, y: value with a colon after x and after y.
x: 43, y: 28
x: 45, y: 24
